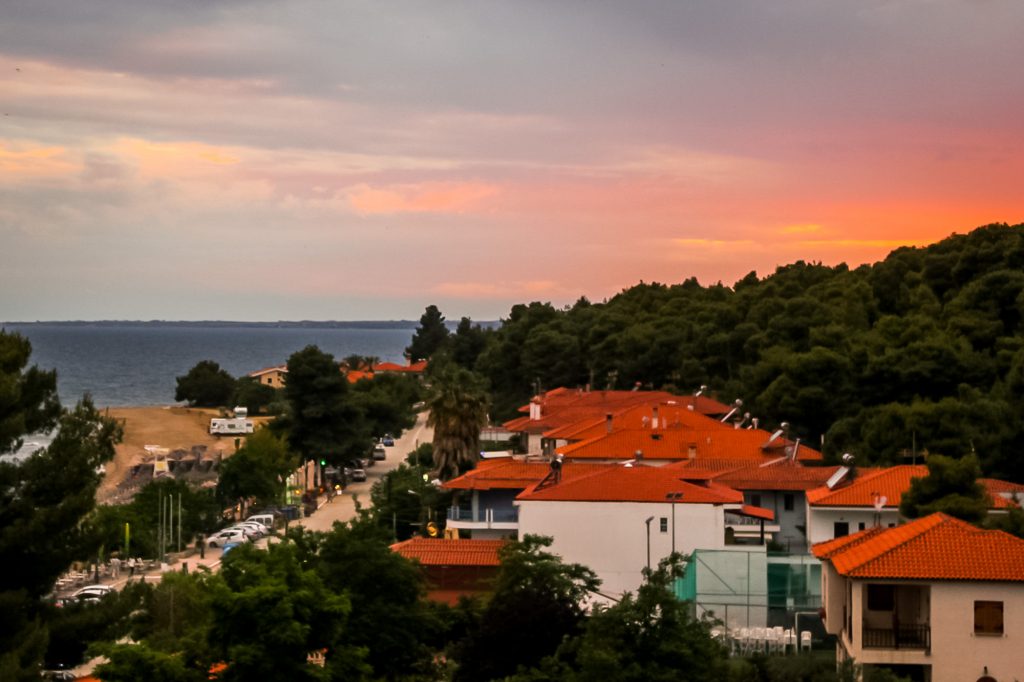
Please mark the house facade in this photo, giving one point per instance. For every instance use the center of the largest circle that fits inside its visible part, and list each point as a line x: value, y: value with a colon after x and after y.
x: 936, y: 599
x: 274, y: 377
x: 619, y: 520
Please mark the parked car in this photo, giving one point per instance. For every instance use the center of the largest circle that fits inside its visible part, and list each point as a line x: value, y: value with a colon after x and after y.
x: 365, y: 462
x: 228, y: 547
x: 253, y: 531
x: 355, y: 474
x: 225, y: 536
x: 92, y: 593
x: 388, y: 440
x: 379, y: 453
x: 266, y: 520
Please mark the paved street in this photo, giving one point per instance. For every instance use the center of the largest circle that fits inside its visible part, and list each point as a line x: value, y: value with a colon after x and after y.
x: 342, y: 508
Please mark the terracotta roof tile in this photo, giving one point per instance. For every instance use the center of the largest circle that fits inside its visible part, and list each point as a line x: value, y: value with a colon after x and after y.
x: 743, y: 475
x: 438, y: 552
x: 632, y: 484
x: 671, y: 415
x: 511, y: 474
x: 892, y: 482
x: 562, y: 407
x: 937, y: 547
x: 680, y: 444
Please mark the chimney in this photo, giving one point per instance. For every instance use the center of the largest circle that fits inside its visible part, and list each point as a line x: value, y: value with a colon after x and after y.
x: 535, y: 410
x: 639, y: 456
x: 692, y: 452
x: 654, y: 419
x: 608, y: 422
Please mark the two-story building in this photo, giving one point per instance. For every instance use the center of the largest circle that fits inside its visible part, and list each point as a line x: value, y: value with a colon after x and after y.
x: 485, y: 506
x: 779, y: 486
x: 617, y: 520
x: 936, y: 599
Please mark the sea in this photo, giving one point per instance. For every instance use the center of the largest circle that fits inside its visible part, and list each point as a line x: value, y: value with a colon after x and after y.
x: 137, y: 364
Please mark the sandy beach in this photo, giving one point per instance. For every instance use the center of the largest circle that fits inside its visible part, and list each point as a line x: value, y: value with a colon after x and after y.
x: 166, y: 427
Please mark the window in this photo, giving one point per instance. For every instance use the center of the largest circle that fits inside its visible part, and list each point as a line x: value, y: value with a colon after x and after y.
x: 664, y: 524
x: 988, y: 617
x: 860, y: 526
x: 755, y: 500
x: 787, y: 501
x: 881, y: 597
x: 270, y: 380
x: 840, y: 529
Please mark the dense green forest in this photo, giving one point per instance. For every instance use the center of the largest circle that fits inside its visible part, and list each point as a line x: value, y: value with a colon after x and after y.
x: 921, y: 352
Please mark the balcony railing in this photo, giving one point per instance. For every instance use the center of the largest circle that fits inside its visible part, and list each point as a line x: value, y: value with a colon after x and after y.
x: 486, y: 515
x: 903, y: 637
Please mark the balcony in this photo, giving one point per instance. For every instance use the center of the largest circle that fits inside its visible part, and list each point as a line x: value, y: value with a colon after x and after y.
x: 917, y: 637
x: 501, y: 518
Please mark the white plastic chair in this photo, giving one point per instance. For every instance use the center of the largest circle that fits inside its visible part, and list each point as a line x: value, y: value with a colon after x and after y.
x: 805, y: 640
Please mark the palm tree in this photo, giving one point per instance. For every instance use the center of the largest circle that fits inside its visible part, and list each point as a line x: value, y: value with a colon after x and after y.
x: 458, y: 410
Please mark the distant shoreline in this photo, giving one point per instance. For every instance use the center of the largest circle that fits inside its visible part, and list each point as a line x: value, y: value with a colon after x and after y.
x: 228, y: 324
x: 297, y: 324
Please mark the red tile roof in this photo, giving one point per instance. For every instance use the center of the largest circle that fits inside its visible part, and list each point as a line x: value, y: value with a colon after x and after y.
x: 937, y: 547
x: 742, y: 475
x: 354, y: 375
x: 513, y: 474
x: 414, y: 368
x: 438, y: 552
x: 631, y: 484
x: 892, y: 482
x: 562, y: 407
x: 757, y: 512
x: 671, y: 415
x: 678, y: 444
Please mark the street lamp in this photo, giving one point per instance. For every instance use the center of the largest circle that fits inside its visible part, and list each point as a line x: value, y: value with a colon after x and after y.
x: 647, y: 521
x: 673, y: 498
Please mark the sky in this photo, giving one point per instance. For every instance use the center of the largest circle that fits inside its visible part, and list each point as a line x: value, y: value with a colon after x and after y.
x: 349, y: 160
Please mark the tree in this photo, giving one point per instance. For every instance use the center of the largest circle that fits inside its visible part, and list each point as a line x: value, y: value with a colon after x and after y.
x: 131, y: 662
x: 403, y: 502
x: 322, y: 420
x: 537, y: 602
x: 951, y: 486
x: 205, y: 385
x: 28, y: 397
x: 389, y: 618
x: 43, y: 501
x: 258, y: 470
x: 458, y: 410
x: 467, y: 343
x: 201, y: 513
x: 253, y: 395
x: 270, y: 612
x: 429, y: 336
x: 664, y: 641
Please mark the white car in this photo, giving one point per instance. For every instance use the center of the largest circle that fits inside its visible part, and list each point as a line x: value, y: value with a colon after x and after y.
x: 225, y: 536
x: 92, y: 593
x: 252, y: 529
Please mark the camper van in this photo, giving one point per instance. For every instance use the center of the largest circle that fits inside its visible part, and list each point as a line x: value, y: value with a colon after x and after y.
x: 226, y: 427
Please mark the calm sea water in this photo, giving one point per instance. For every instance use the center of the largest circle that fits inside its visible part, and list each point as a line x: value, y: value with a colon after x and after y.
x: 133, y: 365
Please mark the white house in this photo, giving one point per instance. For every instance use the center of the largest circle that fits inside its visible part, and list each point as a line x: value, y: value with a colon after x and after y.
x: 938, y: 599
x: 619, y: 519
x: 858, y: 499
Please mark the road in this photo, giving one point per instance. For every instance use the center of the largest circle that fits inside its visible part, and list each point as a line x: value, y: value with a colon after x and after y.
x: 343, y: 507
